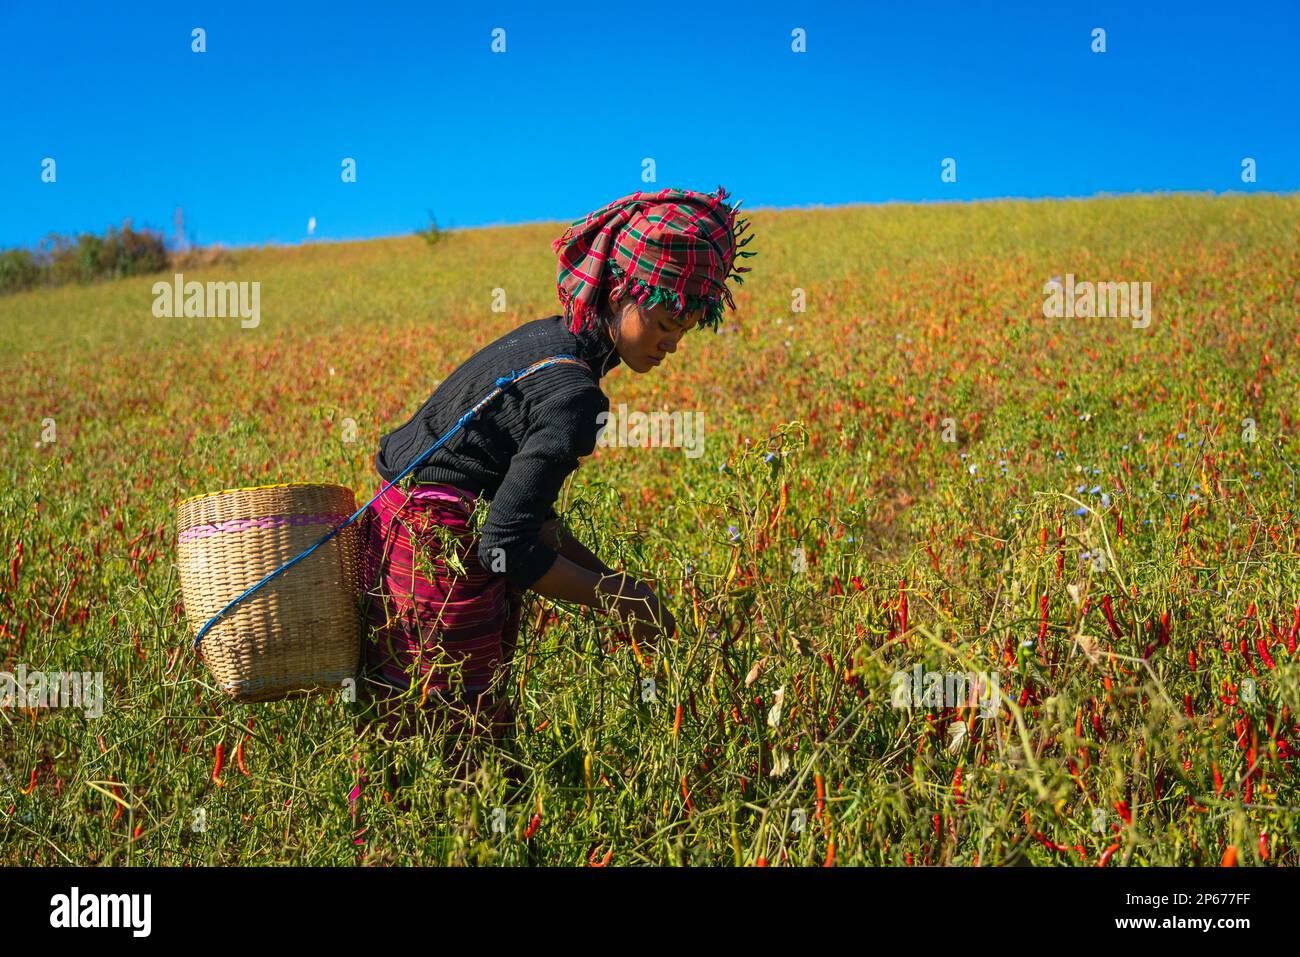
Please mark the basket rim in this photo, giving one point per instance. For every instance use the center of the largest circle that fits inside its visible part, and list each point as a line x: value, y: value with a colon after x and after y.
x: 255, y: 488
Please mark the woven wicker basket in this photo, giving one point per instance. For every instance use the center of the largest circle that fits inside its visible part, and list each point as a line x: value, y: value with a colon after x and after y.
x: 299, y: 632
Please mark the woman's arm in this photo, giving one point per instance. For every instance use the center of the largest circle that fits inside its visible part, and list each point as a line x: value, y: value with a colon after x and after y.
x: 634, y: 602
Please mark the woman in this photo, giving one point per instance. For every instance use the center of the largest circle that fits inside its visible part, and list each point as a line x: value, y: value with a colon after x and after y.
x: 445, y: 604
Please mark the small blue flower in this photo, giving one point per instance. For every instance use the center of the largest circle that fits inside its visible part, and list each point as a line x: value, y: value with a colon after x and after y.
x: 1178, y: 465
x: 734, y: 534
x: 1079, y: 490
x: 1094, y: 490
x: 1080, y: 511
x: 1180, y: 435
x: 1105, y: 500
x: 770, y: 456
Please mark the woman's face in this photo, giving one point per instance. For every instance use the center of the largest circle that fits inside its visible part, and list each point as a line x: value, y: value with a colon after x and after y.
x: 645, y: 336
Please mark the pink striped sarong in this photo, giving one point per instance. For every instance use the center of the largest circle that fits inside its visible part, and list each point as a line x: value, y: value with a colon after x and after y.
x: 449, y: 634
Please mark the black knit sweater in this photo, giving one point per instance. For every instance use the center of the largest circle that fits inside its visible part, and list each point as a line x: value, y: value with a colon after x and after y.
x: 517, y: 451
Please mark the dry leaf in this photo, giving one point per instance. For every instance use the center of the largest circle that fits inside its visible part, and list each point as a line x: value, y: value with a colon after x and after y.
x: 956, y: 735
x: 1090, y: 648
x: 774, y: 713
x: 755, y: 671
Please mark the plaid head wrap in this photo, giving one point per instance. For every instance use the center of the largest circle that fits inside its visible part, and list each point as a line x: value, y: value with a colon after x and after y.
x: 674, y: 246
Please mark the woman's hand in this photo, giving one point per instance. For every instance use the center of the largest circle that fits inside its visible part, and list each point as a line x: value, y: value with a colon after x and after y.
x: 647, y: 616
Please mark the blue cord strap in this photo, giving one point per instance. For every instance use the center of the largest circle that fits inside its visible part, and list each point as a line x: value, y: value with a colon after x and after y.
x: 501, y: 384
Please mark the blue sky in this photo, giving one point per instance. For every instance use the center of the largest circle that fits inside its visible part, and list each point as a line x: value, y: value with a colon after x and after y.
x: 249, y: 136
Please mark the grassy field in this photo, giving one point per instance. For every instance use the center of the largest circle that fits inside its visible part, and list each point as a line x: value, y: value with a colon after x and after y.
x: 1078, y: 506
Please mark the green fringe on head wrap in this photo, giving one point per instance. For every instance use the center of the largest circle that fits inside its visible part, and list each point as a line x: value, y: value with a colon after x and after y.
x: 710, y: 307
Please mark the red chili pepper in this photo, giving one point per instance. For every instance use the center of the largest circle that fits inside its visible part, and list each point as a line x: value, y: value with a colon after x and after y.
x: 902, y: 605
x: 1218, y: 779
x: 1229, y: 857
x: 30, y: 784
x: 956, y: 785
x: 762, y: 861
x: 216, y: 770
x: 1263, y: 846
x: 934, y: 562
x: 1263, y: 653
x: 532, y: 826
x: 1295, y: 630
x: 821, y: 795
x: 1106, y: 855
x: 686, y: 796
x: 1051, y: 845
x: 1042, y: 624
x: 239, y: 757
x: 1110, y: 617
x: 1124, y: 812
x: 1187, y: 704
